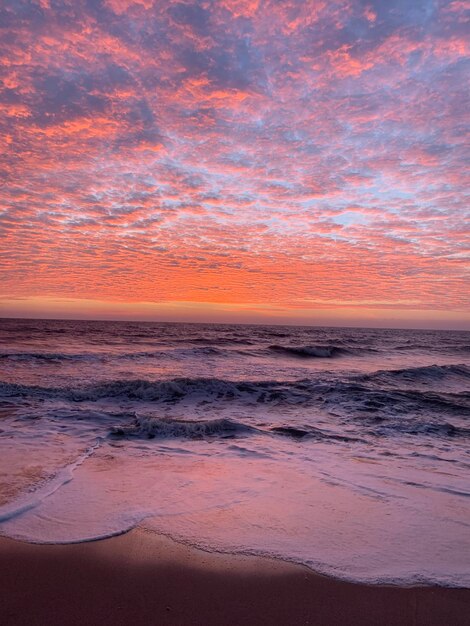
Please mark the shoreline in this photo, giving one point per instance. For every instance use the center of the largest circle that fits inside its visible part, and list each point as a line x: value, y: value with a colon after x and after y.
x: 140, y: 577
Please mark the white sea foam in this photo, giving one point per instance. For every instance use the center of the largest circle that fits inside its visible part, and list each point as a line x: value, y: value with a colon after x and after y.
x: 37, y: 496
x: 304, y: 512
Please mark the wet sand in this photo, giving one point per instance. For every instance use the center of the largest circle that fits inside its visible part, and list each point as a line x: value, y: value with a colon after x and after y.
x: 141, y: 578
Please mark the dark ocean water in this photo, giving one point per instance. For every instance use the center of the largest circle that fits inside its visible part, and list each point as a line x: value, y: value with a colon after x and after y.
x: 345, y: 449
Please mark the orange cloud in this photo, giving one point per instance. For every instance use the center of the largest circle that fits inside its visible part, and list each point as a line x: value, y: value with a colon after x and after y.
x: 240, y: 154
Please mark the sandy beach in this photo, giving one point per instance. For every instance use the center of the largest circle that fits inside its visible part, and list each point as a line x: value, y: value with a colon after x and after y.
x: 142, y: 578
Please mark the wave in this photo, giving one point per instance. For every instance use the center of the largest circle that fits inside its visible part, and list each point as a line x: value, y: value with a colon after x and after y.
x: 213, y: 341
x: 367, y: 397
x: 319, y: 352
x: 153, y: 427
x: 52, y: 357
x: 384, y: 403
x: 199, y: 389
x: 421, y: 374
x: 150, y: 427
x: 465, y: 349
x: 311, y: 432
x: 416, y: 427
x: 429, y: 347
x: 59, y: 357
x: 174, y: 390
x: 207, y: 351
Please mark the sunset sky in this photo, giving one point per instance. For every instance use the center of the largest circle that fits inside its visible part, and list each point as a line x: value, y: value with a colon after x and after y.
x: 235, y: 160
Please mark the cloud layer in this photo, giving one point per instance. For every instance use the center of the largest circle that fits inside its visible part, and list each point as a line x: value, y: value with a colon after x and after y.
x: 308, y: 155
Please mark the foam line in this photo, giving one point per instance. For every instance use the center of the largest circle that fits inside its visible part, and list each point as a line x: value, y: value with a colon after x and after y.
x: 61, y: 478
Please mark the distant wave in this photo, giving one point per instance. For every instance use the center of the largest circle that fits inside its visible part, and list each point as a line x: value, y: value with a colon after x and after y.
x: 318, y: 352
x: 464, y: 349
x: 203, y: 351
x: 213, y: 341
x: 275, y: 333
x: 57, y: 357
x: 421, y: 374
x: 427, y: 347
x: 47, y: 356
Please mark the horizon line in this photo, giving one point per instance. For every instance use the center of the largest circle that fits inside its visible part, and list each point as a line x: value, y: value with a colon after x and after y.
x: 204, y: 323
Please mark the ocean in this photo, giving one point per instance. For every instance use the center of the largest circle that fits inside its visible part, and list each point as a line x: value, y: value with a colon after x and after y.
x: 344, y: 449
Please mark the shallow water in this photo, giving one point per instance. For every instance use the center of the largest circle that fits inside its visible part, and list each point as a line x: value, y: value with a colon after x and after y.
x: 344, y: 449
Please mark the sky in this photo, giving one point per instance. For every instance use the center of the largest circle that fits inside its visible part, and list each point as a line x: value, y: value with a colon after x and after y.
x: 236, y: 160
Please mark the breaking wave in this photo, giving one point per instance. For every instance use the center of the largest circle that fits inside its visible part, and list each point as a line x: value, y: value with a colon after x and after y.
x: 153, y: 427
x: 384, y: 392
x: 174, y: 390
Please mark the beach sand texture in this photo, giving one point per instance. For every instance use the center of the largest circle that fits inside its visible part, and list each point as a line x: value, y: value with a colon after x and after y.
x: 140, y: 578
